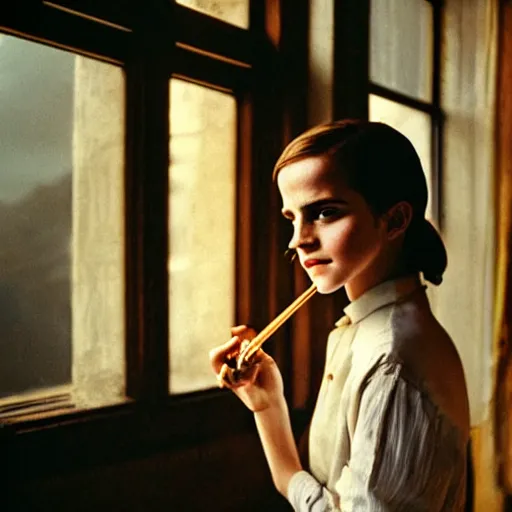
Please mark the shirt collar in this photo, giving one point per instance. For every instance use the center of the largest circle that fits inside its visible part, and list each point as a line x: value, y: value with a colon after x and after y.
x: 380, y: 296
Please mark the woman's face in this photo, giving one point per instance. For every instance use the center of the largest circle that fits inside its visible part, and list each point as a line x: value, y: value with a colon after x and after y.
x: 338, y: 239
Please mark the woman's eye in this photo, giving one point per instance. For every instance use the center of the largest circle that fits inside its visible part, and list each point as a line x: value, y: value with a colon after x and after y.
x: 328, y: 213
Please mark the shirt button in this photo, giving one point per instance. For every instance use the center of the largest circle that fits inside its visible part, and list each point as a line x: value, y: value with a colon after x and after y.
x: 330, y: 376
x: 345, y: 321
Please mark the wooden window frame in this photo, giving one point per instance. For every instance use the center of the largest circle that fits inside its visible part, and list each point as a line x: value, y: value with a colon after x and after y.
x: 250, y: 64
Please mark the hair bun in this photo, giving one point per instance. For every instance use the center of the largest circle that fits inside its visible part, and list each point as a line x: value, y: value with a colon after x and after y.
x: 426, y: 251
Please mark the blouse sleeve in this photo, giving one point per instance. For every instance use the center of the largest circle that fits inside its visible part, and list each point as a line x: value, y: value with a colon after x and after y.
x: 306, y: 494
x: 405, y: 455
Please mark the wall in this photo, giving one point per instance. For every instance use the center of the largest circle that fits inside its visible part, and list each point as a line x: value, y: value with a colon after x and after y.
x: 226, y: 475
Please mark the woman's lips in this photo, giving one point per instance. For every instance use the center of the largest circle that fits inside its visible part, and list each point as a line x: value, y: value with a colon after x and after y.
x: 314, y: 262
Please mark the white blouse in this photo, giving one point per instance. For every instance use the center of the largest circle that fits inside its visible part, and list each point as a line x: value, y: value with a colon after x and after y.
x: 391, y: 423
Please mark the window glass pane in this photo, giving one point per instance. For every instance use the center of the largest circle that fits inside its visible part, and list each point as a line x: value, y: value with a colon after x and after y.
x: 415, y: 125
x: 61, y: 229
x: 235, y: 12
x: 401, y: 46
x: 202, y: 230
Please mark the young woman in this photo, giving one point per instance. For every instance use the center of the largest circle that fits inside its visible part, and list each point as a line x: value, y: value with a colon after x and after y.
x: 391, y: 423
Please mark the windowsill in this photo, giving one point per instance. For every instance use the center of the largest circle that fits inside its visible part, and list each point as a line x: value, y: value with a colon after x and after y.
x: 71, y: 440
x: 40, y: 403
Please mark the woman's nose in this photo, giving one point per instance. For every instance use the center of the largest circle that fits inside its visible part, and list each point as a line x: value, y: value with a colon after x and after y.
x: 303, y: 235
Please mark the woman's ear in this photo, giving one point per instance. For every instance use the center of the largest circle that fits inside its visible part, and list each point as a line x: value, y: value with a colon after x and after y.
x: 398, y: 219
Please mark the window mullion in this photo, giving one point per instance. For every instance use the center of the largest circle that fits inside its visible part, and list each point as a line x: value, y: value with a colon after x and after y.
x: 62, y: 29
x: 205, y: 33
x: 437, y: 118
x: 398, y: 97
x: 147, y: 103
x: 351, y: 58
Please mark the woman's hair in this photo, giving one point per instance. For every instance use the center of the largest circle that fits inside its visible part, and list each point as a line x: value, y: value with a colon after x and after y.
x: 382, y: 165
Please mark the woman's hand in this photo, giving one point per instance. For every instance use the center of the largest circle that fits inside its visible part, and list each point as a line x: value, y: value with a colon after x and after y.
x: 261, y: 390
x: 261, y: 385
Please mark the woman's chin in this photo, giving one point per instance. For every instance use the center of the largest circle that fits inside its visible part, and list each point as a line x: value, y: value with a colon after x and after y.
x: 326, y: 287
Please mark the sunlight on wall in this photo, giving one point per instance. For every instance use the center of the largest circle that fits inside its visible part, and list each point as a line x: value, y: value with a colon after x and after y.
x: 98, y: 234
x: 202, y: 230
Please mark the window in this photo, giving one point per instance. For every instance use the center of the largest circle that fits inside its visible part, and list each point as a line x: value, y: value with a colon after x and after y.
x: 128, y: 248
x: 404, y: 79
x: 61, y: 266
x: 401, y: 46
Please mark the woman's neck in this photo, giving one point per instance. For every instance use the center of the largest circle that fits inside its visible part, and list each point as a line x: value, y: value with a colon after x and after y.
x: 355, y: 290
x: 386, y: 269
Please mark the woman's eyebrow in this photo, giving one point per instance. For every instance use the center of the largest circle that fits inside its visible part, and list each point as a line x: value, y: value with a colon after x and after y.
x: 324, y: 202
x: 315, y: 205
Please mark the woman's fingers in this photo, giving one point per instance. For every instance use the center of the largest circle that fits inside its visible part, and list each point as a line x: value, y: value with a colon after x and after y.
x: 226, y: 376
x: 244, y: 331
x: 222, y: 376
x: 219, y: 354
